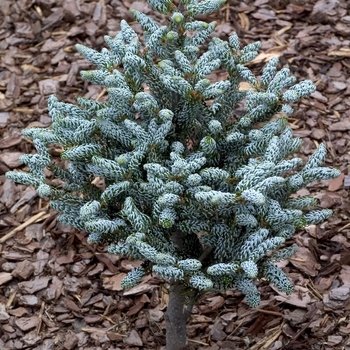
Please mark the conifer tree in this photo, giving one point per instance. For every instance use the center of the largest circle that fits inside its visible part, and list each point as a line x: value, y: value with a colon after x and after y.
x: 198, y: 192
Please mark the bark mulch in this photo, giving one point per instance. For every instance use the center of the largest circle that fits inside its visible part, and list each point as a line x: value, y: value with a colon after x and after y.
x: 58, y: 292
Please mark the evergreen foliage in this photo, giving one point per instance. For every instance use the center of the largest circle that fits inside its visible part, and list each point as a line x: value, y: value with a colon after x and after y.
x: 200, y: 192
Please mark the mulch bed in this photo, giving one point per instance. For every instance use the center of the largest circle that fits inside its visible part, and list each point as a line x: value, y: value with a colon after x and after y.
x: 58, y: 292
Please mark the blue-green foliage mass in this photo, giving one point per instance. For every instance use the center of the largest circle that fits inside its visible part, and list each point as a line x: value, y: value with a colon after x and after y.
x: 199, y: 191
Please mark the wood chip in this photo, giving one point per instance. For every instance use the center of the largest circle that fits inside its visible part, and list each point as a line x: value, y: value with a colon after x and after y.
x: 23, y: 270
x: 5, y: 277
x: 11, y: 159
x: 139, y: 289
x: 113, y: 283
x: 27, y: 323
x: 37, y: 284
x: 133, y: 339
x: 343, y: 125
x: 336, y: 184
x: 4, y: 316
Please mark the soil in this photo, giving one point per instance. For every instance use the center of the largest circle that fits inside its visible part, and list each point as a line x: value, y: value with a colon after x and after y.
x: 58, y: 292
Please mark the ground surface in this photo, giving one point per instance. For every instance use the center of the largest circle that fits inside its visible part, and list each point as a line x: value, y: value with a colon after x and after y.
x: 57, y: 292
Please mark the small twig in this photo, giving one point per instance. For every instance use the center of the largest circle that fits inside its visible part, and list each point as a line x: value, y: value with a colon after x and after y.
x: 52, y: 224
x: 330, y: 147
x: 40, y: 209
x: 343, y: 227
x: 106, y: 312
x: 110, y: 328
x: 266, y: 342
x: 100, y: 94
x: 35, y: 218
x: 23, y: 110
x: 93, y: 330
x: 271, y: 339
x: 11, y: 299
x: 297, y: 259
x: 48, y: 316
x: 314, y: 291
x: 108, y: 319
x: 40, y: 317
x: 99, y: 330
x: 198, y: 342
x: 237, y: 327
x: 268, y: 312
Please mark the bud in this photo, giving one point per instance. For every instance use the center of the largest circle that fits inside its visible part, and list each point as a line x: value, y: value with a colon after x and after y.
x: 177, y: 18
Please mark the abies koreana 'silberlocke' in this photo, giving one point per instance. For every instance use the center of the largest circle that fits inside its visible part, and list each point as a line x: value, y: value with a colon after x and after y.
x: 198, y: 191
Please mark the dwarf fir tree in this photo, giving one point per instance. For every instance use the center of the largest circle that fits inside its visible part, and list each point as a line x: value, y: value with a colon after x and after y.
x: 200, y: 193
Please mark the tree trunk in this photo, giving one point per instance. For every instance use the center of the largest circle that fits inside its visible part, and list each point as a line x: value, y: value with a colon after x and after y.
x: 176, y: 318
